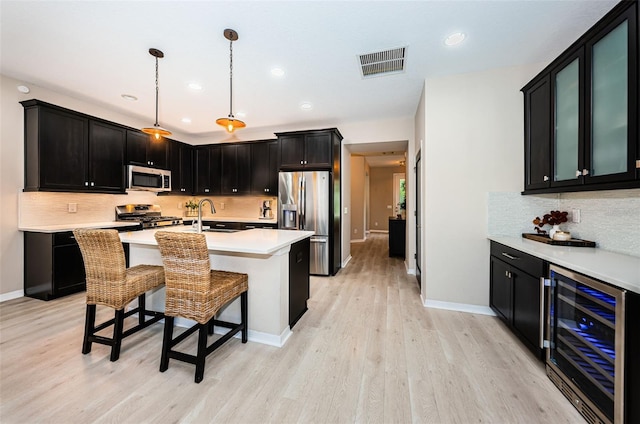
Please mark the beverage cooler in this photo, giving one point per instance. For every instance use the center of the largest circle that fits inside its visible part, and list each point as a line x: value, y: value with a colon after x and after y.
x: 593, y: 353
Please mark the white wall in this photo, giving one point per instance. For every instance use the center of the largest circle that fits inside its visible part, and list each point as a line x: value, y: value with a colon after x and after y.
x: 473, y: 143
x: 357, y: 198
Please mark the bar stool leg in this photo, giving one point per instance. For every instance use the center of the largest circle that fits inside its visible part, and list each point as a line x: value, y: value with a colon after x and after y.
x: 202, y: 351
x: 141, y: 309
x: 89, y: 328
x: 243, y: 314
x: 166, y: 343
x: 117, y: 335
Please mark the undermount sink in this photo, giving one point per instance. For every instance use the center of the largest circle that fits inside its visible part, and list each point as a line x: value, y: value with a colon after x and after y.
x: 220, y: 230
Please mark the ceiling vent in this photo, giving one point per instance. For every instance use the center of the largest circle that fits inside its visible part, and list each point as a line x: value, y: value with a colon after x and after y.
x: 382, y: 63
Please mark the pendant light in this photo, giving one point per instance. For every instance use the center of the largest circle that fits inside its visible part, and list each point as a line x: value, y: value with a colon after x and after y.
x: 156, y: 130
x: 230, y: 123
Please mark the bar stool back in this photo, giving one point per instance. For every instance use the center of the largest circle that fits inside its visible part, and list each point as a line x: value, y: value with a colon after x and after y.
x: 111, y: 283
x: 196, y: 292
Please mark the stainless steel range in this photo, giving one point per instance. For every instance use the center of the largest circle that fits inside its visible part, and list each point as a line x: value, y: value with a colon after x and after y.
x: 149, y: 216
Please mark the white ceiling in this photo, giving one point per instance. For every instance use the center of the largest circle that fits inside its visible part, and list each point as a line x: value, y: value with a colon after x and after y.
x: 98, y: 50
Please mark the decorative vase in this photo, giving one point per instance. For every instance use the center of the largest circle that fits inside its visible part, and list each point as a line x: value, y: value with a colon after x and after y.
x: 192, y: 212
x: 553, y: 231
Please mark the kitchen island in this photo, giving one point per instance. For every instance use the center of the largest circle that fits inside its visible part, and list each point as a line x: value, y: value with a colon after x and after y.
x: 263, y: 254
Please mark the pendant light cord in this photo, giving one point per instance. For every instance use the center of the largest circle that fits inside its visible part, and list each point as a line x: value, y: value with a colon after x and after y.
x: 157, y: 90
x: 231, y: 79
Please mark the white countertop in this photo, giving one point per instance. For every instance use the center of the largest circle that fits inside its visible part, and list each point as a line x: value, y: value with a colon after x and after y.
x: 70, y: 227
x: 614, y: 268
x: 256, y: 241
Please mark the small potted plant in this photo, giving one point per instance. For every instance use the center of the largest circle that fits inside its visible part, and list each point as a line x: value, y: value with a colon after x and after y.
x: 192, y: 207
x: 553, y: 218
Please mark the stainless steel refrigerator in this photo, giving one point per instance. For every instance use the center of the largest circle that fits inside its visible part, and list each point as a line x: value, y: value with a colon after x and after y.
x: 304, y: 204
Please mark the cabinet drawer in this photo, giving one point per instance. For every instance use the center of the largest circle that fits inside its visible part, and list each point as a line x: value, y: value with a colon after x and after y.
x: 517, y: 259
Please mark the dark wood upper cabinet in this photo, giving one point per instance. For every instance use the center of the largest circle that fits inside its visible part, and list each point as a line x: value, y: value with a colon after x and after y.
x: 314, y: 149
x: 143, y: 149
x: 582, y: 112
x: 70, y: 151
x: 537, y: 123
x: 236, y: 168
x: 264, y: 168
x: 180, y: 157
x: 106, y: 156
x: 207, y: 162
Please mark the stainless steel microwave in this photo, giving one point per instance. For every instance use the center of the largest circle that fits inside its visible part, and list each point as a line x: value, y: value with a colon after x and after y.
x: 148, y: 179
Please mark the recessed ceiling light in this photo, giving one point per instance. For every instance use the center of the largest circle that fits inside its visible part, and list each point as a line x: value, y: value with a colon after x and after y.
x: 23, y: 89
x: 241, y: 114
x: 186, y: 120
x: 454, y: 39
x: 195, y: 86
x: 306, y: 106
x: 129, y: 97
x: 277, y: 72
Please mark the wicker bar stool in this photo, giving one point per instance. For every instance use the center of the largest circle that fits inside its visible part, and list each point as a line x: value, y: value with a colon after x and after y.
x: 111, y: 283
x: 196, y: 292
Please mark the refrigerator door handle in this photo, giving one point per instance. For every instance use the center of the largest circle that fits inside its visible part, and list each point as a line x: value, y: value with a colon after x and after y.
x: 300, y: 203
x: 303, y: 203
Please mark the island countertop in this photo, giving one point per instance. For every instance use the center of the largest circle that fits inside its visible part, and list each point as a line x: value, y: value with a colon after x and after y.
x: 256, y: 241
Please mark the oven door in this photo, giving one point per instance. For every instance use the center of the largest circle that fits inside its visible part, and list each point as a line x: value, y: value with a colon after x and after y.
x: 586, y: 331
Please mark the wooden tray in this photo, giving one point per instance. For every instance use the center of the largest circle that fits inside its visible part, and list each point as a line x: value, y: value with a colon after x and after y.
x: 547, y: 240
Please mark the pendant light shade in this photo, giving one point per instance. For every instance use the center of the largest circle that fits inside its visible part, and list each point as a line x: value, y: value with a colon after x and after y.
x: 230, y: 123
x: 157, y: 131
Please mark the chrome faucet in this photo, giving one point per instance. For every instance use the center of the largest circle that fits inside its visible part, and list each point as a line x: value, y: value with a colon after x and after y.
x: 213, y: 210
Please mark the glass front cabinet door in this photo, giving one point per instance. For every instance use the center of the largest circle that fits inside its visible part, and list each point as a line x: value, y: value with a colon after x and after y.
x: 567, y: 116
x: 612, y: 75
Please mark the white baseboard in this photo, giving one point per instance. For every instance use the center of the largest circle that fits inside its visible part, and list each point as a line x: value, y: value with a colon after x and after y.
x: 460, y: 307
x: 252, y: 336
x: 379, y: 231
x: 410, y: 271
x: 358, y: 240
x: 346, y: 261
x: 11, y: 295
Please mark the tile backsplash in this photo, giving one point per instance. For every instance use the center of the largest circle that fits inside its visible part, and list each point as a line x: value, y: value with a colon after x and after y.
x: 610, y: 218
x: 44, y: 208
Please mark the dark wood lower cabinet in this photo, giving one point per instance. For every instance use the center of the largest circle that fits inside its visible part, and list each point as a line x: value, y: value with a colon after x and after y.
x: 53, y: 265
x: 298, y: 280
x: 515, y: 293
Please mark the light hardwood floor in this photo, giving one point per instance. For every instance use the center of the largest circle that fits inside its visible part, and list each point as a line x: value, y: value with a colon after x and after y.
x: 366, y: 351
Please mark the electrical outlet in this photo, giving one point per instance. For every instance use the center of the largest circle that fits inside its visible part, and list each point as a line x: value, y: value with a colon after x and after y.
x: 389, y: 207
x: 346, y: 211
x: 375, y: 224
x: 180, y: 205
x: 72, y: 207
x: 355, y: 231
x: 222, y: 205
x: 575, y: 215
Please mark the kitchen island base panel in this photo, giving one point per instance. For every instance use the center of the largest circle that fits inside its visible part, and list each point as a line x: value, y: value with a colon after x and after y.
x: 268, y: 295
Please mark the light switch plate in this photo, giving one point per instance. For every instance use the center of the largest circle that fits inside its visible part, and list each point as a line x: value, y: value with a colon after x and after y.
x: 575, y: 215
x: 72, y: 207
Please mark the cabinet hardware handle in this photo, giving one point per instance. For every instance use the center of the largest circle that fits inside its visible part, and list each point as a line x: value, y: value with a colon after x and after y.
x: 544, y: 282
x: 92, y: 184
x: 585, y: 171
x: 578, y: 173
x: 545, y: 178
x: 506, y: 273
x: 206, y: 190
x: 638, y: 164
x: 86, y: 183
x: 505, y: 254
